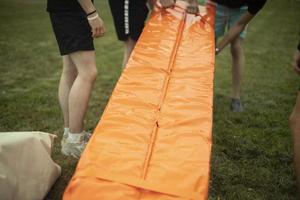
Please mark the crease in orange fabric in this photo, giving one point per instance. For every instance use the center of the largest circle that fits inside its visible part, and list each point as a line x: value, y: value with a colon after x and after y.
x: 153, y: 141
x: 163, y: 96
x: 140, y: 183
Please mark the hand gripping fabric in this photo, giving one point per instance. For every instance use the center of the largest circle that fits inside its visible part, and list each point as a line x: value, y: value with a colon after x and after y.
x: 153, y: 141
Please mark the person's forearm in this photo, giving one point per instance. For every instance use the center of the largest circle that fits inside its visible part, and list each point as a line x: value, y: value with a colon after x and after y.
x: 87, y: 5
x: 234, y: 31
x: 230, y: 36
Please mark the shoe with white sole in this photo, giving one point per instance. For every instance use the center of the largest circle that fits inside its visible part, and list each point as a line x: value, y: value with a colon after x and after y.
x: 87, y: 136
x: 75, y: 149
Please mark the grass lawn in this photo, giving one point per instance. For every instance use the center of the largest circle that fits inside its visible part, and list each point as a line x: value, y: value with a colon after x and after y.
x: 252, y: 151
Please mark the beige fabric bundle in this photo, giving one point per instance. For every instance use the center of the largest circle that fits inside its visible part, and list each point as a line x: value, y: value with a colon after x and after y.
x: 27, y: 171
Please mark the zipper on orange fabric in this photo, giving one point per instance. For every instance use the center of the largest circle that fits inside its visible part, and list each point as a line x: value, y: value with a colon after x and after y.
x: 163, y: 96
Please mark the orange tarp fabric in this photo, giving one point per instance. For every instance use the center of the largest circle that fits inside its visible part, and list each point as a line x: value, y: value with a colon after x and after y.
x: 153, y: 141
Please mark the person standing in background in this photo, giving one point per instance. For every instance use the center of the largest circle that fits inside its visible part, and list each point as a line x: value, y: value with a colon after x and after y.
x: 235, y: 15
x: 75, y: 25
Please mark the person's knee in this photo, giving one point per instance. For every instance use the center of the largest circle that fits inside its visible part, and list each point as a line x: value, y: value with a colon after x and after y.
x: 89, y: 74
x: 236, y: 48
x: 93, y: 74
x: 69, y: 67
x: 86, y: 65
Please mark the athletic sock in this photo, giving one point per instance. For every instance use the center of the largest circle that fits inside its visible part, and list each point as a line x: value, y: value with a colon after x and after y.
x: 74, y: 137
x: 66, y: 131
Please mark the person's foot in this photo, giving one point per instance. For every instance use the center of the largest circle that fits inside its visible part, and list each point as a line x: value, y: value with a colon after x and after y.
x: 236, y: 105
x: 87, y: 136
x: 75, y: 149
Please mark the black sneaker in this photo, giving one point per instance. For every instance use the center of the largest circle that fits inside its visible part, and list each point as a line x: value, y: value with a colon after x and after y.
x: 236, y: 105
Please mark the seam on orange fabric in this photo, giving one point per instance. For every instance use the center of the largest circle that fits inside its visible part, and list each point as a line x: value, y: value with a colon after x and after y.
x: 163, y: 96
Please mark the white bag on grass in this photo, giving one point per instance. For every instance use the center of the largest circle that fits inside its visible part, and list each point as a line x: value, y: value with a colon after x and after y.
x: 27, y: 171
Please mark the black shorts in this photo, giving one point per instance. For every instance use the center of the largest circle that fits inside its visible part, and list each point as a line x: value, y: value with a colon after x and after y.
x: 129, y: 17
x: 72, y: 32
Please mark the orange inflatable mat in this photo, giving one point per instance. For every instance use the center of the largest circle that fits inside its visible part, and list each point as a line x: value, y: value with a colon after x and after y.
x: 153, y: 141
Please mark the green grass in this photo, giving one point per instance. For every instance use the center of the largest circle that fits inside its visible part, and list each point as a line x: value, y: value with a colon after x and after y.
x: 252, y: 151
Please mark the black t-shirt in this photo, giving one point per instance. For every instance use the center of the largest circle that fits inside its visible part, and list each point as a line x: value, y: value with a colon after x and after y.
x: 63, y: 6
x: 253, y: 5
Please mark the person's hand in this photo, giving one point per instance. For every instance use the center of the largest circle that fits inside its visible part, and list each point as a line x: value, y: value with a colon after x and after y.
x: 296, y: 62
x: 217, y: 51
x: 192, y: 7
x: 97, y: 26
x: 167, y: 3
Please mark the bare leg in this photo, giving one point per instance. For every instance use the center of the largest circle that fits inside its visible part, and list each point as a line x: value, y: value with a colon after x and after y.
x: 81, y: 89
x: 238, y: 61
x: 128, y: 47
x: 295, y: 126
x: 68, y: 76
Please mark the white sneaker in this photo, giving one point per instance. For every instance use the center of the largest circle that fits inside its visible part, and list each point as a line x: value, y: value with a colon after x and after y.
x: 75, y: 149
x: 87, y: 136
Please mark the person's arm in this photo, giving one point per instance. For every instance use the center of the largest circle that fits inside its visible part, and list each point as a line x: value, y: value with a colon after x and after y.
x: 234, y: 31
x: 253, y: 8
x: 94, y: 20
x: 296, y: 60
